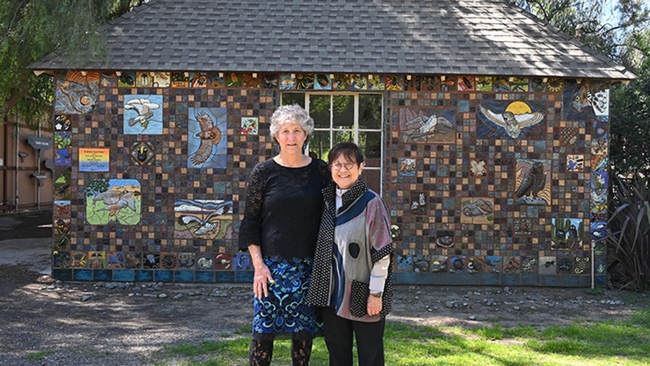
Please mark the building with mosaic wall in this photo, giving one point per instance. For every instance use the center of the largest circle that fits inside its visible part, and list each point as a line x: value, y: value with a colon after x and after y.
x: 486, y: 132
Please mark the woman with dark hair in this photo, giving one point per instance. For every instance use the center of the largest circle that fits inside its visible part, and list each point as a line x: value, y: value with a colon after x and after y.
x: 351, y: 278
x: 280, y: 229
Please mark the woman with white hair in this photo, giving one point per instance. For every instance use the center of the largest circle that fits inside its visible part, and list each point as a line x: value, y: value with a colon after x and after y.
x: 280, y: 230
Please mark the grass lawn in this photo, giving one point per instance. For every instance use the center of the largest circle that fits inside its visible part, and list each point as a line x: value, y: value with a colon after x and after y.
x: 604, y: 343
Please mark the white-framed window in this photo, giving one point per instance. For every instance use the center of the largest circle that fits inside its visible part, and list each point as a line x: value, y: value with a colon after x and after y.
x: 342, y: 116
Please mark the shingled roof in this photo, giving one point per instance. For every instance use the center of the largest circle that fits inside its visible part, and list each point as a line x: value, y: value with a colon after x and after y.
x: 451, y: 37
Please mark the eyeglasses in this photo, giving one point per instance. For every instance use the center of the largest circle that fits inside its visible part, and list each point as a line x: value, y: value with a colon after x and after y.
x: 338, y: 166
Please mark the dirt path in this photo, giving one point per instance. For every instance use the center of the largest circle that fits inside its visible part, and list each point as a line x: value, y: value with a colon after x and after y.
x: 125, y: 324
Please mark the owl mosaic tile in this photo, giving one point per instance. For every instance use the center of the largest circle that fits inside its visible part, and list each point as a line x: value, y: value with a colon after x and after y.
x: 533, y: 182
x: 76, y: 92
x: 515, y: 119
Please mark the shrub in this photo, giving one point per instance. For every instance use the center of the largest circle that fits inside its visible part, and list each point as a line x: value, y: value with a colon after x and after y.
x: 628, y: 234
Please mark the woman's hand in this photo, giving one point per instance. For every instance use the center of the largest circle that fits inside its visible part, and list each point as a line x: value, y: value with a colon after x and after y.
x: 374, y: 305
x: 261, y: 280
x: 262, y: 274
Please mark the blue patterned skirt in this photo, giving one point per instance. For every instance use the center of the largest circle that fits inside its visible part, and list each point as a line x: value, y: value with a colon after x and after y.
x: 285, y: 313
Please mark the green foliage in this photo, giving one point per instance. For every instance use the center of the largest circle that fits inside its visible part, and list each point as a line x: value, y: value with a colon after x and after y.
x: 602, y: 343
x: 628, y: 234
x: 630, y: 129
x: 606, y: 26
x: 39, y: 355
x: 596, y: 291
x: 620, y: 30
x: 32, y: 29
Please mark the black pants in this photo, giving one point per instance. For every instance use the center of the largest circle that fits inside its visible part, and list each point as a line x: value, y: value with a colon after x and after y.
x: 338, y: 337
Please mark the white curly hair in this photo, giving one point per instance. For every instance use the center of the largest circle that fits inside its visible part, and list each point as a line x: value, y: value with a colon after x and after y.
x: 292, y: 114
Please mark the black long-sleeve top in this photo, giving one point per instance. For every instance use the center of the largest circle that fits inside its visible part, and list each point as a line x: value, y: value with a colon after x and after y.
x: 283, y: 208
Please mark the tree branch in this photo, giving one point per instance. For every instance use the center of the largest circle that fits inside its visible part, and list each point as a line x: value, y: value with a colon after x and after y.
x: 15, y: 17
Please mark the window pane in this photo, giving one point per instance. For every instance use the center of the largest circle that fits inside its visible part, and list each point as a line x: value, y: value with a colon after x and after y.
x: 319, y: 110
x: 319, y: 145
x: 370, y: 144
x: 373, y: 179
x: 293, y: 98
x: 370, y: 111
x: 343, y: 111
x: 343, y: 136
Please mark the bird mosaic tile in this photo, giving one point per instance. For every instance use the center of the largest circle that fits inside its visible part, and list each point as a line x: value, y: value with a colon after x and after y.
x: 113, y: 200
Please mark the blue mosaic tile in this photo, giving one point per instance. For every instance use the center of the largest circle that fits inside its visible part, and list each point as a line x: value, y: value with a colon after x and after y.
x: 62, y: 274
x: 163, y: 276
x: 143, y: 275
x: 529, y: 279
x: 204, y: 276
x: 123, y: 275
x: 244, y: 276
x: 184, y: 276
x: 467, y: 278
x: 242, y: 262
x: 551, y: 281
x: 490, y: 279
x: 103, y: 275
x: 510, y: 280
x: 571, y: 281
x: 405, y: 278
x: 83, y: 274
x: 225, y: 276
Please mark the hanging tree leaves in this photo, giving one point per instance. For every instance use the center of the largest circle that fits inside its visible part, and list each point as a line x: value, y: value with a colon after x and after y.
x: 32, y: 29
x: 620, y: 30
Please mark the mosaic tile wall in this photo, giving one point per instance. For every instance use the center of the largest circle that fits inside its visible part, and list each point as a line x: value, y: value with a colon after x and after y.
x: 494, y: 181
x: 499, y: 181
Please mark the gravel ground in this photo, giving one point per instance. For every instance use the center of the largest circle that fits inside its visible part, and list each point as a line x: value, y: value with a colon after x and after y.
x: 52, y: 323
x: 45, y: 322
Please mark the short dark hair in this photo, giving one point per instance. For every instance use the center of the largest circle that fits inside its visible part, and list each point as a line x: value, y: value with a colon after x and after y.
x: 349, y: 150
